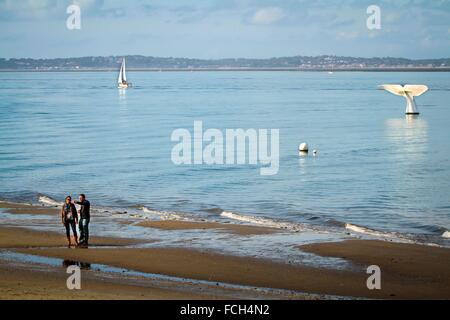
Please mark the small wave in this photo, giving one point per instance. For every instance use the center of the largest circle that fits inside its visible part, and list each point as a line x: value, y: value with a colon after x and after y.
x: 264, y: 221
x: 402, y: 237
x: 49, y: 201
x: 364, y: 230
x: 370, y: 232
x: 162, y: 215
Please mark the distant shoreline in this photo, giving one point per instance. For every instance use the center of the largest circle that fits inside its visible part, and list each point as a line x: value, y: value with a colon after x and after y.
x: 324, y: 63
x: 444, y: 69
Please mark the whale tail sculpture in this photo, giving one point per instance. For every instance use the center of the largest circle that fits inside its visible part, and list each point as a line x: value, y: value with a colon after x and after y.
x: 409, y: 91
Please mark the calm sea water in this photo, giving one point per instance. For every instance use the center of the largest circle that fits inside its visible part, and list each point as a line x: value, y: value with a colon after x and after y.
x: 66, y: 133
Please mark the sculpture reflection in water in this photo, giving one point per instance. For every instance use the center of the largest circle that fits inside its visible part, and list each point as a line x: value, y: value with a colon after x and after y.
x: 408, y: 136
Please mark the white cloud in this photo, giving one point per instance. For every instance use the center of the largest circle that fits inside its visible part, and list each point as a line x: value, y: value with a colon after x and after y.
x: 268, y: 15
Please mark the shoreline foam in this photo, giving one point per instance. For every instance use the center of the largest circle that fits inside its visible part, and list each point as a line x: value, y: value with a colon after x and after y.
x: 143, y: 213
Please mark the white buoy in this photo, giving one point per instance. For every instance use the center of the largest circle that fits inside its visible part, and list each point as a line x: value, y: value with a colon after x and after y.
x: 314, y: 152
x: 408, y: 91
x: 303, y: 147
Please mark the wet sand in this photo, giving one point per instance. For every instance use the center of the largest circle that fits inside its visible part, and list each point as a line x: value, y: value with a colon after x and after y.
x: 210, y: 266
x: 18, y: 284
x: 410, y: 262
x: 19, y: 208
x: 408, y: 271
x: 12, y: 237
x: 239, y: 229
x: 193, y: 264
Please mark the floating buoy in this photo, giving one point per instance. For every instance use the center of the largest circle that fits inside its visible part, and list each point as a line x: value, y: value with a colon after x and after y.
x: 303, y: 147
x: 314, y: 152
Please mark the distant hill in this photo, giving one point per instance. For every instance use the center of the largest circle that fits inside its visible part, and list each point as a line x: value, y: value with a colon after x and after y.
x: 136, y: 62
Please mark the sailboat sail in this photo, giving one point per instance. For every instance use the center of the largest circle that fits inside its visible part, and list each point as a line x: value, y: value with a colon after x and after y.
x: 120, y: 76
x: 122, y: 73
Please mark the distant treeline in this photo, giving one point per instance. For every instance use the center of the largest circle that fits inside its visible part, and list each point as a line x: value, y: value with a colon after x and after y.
x: 297, y: 62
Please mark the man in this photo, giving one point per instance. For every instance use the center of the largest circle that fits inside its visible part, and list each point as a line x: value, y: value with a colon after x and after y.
x: 69, y: 219
x: 85, y: 218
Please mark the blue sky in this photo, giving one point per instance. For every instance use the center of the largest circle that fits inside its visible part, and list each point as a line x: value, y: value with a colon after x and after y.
x: 225, y: 28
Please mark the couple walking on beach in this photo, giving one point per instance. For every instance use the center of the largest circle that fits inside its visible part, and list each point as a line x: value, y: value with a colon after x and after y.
x: 70, y: 219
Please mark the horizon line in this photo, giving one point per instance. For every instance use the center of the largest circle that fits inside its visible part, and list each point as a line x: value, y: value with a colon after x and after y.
x: 229, y: 58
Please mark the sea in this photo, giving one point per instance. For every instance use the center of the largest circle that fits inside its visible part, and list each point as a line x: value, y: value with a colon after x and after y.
x: 375, y: 171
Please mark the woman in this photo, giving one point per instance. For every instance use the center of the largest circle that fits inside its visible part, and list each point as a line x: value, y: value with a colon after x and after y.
x: 69, y: 218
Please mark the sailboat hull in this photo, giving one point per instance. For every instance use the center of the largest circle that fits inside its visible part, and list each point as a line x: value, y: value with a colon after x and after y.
x: 123, y: 86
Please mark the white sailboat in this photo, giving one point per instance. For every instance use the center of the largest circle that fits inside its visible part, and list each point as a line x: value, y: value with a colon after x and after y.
x: 122, y: 80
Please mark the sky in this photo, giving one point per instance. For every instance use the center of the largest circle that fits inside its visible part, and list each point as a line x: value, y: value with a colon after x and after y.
x: 212, y: 29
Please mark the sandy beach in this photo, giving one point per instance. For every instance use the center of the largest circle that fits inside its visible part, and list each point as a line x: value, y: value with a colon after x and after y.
x: 20, y: 284
x: 409, y: 271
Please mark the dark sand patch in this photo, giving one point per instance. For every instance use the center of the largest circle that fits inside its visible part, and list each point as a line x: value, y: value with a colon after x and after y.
x: 419, y: 268
x: 239, y: 229
x: 409, y: 260
x: 187, y: 263
x: 19, y: 208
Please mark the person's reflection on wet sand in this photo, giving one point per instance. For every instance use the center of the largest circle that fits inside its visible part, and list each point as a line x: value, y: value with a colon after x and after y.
x: 82, y: 265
